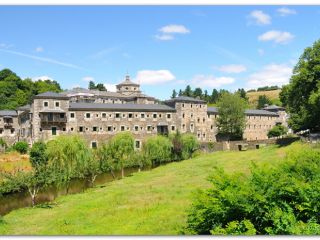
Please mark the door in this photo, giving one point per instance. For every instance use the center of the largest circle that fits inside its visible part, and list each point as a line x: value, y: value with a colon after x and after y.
x: 54, y: 131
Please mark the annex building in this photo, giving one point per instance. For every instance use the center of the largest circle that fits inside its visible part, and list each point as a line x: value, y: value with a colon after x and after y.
x: 98, y: 115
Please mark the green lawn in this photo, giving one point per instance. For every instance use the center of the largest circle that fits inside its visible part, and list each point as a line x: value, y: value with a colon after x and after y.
x: 151, y: 202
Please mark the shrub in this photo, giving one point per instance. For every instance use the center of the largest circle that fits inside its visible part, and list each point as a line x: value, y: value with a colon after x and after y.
x: 157, y: 149
x: 282, y: 200
x: 189, y: 145
x: 21, y: 147
x: 177, y: 146
x: 277, y: 131
x: 38, y: 155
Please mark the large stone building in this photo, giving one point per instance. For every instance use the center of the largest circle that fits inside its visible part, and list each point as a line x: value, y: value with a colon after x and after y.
x: 99, y: 115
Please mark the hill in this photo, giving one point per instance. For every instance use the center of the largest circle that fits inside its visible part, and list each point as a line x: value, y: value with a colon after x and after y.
x: 148, y: 203
x: 273, y: 95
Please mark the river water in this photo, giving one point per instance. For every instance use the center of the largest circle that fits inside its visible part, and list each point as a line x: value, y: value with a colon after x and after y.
x: 22, y: 199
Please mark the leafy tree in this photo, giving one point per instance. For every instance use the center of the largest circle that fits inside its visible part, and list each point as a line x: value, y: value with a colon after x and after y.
x: 68, y: 157
x: 157, y: 149
x: 189, y: 145
x: 277, y: 131
x: 174, y: 94
x: 231, y: 119
x: 214, y: 96
x: 92, y: 86
x: 21, y: 147
x: 38, y: 155
x: 120, y: 149
x: 180, y: 92
x: 302, y: 95
x: 177, y: 145
x: 275, y: 201
x: 188, y: 91
x: 262, y: 101
x: 197, y: 92
x: 206, y: 97
x: 101, y: 87
x: 242, y: 93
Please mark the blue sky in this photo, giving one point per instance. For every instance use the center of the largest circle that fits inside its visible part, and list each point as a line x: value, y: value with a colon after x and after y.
x: 161, y: 47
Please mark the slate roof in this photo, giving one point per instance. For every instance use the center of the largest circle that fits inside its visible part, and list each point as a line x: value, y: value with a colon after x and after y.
x: 185, y: 99
x: 120, y: 107
x: 11, y: 113
x: 51, y: 95
x: 127, y: 82
x: 273, y: 107
x: 24, y: 108
x: 247, y: 112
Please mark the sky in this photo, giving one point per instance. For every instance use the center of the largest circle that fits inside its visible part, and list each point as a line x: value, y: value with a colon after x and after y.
x: 161, y: 47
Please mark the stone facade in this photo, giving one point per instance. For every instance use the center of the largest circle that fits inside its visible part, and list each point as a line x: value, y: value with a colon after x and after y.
x: 99, y: 115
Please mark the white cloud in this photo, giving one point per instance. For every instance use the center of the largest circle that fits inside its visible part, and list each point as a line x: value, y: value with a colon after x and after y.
x: 260, y: 52
x: 174, y: 29
x: 260, y: 18
x: 276, y: 36
x: 211, y: 81
x: 110, y: 87
x: 88, y: 79
x: 42, y: 59
x: 286, y: 11
x: 232, y: 68
x: 164, y: 37
x: 270, y: 75
x: 151, y: 77
x: 42, y: 78
x: 167, y: 32
x: 6, y: 46
x: 39, y: 49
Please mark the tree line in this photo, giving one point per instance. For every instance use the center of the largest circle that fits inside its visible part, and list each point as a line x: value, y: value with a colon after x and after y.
x: 16, y: 92
x: 68, y: 157
x: 204, y: 95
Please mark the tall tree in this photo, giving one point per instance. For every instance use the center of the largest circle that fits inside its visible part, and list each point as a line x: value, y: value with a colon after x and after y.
x: 180, y: 92
x: 197, y: 92
x: 242, y: 93
x: 188, y: 91
x: 92, y: 86
x: 231, y: 119
x: 262, y: 101
x: 174, y: 94
x: 101, y: 87
x: 302, y: 95
x: 214, y: 96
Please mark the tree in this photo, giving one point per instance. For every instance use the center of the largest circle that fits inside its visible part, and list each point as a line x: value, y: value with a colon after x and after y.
x: 180, y: 92
x: 177, y: 145
x: 197, y: 92
x: 206, y: 96
x: 214, y: 96
x: 231, y: 119
x: 301, y: 96
x: 38, y: 155
x: 242, y: 93
x: 262, y: 101
x: 188, y: 91
x: 120, y: 149
x: 21, y: 147
x: 157, y: 149
x: 101, y: 87
x: 189, y: 145
x: 277, y: 131
x: 92, y: 86
x: 174, y: 94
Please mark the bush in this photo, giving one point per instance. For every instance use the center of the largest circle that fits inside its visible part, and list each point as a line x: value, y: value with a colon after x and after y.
x: 157, y: 149
x: 282, y: 200
x: 38, y: 155
x: 21, y: 147
x: 189, y: 145
x: 277, y: 131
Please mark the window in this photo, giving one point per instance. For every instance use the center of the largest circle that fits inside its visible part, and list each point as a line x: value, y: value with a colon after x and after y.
x: 130, y: 115
x: 93, y: 144
x: 137, y: 144
x: 168, y: 115
x: 88, y: 115
x: 183, y: 115
x: 182, y: 104
x: 191, y: 115
x: 122, y: 128
x: 57, y: 104
x: 149, y: 128
x: 117, y: 115
x: 71, y: 129
x: 173, y: 128
x: 142, y: 115
x: 61, y: 115
x: 97, y: 115
x: 54, y: 131
x: 104, y: 115
x: 45, y: 104
x: 72, y: 115
x: 154, y: 115
x: 1, y: 130
x: 123, y: 115
x: 191, y: 105
x: 81, y: 129
x: 183, y: 126
x: 211, y: 127
x: 64, y: 129
x: 109, y: 128
x: 136, y: 128
x: 40, y: 129
x: 203, y: 119
x: 191, y: 127
x: 95, y: 129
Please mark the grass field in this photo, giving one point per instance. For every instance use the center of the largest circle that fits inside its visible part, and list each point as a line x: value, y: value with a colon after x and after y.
x: 147, y: 203
x: 272, y: 95
x: 13, y: 161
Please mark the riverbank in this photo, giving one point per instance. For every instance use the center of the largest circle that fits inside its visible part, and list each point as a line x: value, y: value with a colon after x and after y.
x: 152, y: 202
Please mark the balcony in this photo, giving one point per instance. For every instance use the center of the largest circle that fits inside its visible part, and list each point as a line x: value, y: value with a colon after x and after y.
x: 53, y: 118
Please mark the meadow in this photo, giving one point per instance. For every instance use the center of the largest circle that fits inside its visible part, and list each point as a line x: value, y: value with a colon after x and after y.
x: 153, y: 202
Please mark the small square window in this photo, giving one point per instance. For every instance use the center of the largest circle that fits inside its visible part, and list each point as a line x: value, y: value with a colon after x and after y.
x: 104, y: 115
x: 94, y: 144
x: 154, y: 115
x: 169, y: 116
x: 71, y: 129
x: 88, y: 115
x: 62, y: 115
x: 57, y: 104
x: 117, y: 115
x: 136, y: 128
x: 137, y: 144
x: 109, y: 129
x: 45, y: 104
x: 173, y: 128
x: 130, y: 115
x: 95, y: 129
x: 122, y: 128
x: 72, y: 115
x: 81, y: 129
x: 149, y: 128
